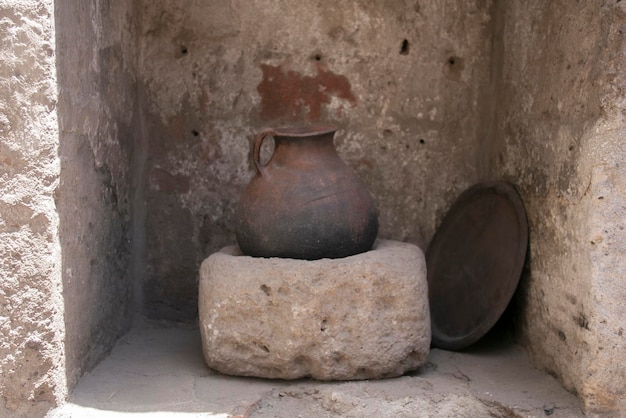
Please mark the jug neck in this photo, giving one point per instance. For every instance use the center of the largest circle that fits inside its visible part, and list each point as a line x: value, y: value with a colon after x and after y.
x: 322, y: 141
x: 310, y: 137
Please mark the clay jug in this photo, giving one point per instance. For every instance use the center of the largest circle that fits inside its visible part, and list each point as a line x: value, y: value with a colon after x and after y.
x: 305, y: 203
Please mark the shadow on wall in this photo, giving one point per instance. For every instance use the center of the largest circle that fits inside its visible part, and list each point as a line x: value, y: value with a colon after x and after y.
x: 95, y: 87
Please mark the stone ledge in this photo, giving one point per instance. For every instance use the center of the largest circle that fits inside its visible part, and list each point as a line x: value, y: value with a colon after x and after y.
x: 359, y: 317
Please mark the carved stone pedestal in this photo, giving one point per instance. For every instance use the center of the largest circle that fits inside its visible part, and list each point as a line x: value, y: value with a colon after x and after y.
x: 359, y: 317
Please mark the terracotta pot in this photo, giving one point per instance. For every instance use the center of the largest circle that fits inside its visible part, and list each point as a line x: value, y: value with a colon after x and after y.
x: 305, y: 202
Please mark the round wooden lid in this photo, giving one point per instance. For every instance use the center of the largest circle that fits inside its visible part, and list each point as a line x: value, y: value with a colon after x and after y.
x: 474, y: 263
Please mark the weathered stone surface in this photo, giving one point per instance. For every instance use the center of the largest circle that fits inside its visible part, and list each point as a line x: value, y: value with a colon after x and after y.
x: 31, y: 306
x: 560, y: 136
x: 358, y: 317
x: 65, y: 143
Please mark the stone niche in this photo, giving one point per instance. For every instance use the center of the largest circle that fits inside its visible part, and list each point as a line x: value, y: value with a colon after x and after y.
x: 125, y: 145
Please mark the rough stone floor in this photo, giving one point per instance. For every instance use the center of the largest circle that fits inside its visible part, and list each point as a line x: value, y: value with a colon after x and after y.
x: 157, y: 370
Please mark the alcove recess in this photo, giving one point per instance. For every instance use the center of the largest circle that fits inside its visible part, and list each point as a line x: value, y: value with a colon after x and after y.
x: 157, y: 102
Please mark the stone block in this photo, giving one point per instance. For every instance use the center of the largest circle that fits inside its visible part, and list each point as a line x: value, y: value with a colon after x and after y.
x: 359, y: 317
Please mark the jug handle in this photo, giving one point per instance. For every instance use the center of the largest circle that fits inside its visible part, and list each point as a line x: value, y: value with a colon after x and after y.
x: 257, y: 149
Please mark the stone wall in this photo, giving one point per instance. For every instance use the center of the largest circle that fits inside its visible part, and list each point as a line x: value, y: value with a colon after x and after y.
x: 96, y: 63
x: 560, y: 135
x: 67, y: 120
x: 31, y: 305
x: 404, y: 81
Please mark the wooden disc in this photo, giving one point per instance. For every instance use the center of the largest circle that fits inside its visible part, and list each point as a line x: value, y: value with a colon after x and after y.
x: 474, y: 263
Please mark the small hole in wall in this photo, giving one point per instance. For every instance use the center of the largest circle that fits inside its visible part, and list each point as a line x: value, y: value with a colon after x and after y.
x: 583, y: 322
x: 183, y: 50
x: 317, y: 57
x: 422, y: 141
x: 571, y: 148
x: 404, y: 48
x: 454, y: 66
x: 262, y: 347
x: 195, y: 133
x: 266, y: 289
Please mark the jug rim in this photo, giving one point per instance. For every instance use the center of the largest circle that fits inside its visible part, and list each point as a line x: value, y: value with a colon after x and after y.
x: 299, y: 131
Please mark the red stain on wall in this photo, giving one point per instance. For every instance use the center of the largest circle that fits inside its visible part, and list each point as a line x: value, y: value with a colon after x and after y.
x: 292, y: 96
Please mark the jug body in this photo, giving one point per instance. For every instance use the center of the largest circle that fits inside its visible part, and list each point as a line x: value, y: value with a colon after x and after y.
x: 305, y: 203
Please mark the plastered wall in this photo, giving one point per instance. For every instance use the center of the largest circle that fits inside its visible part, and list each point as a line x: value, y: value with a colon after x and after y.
x: 404, y: 80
